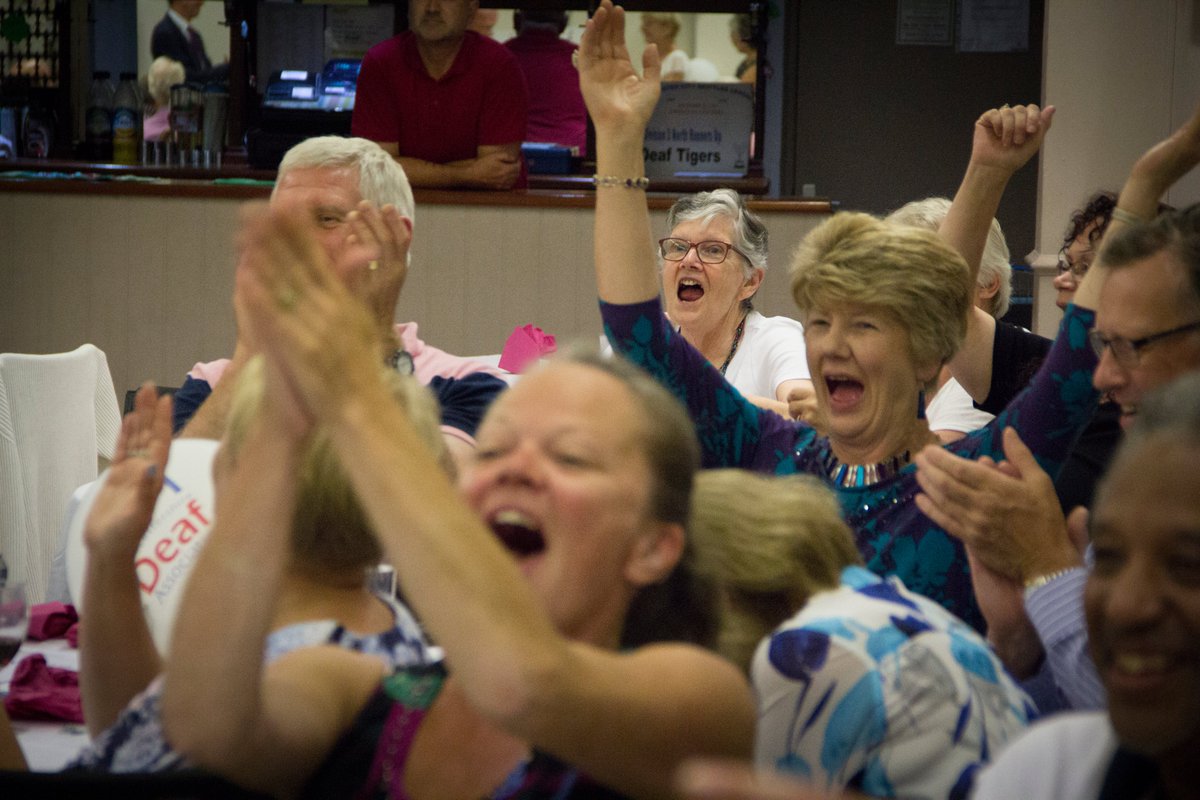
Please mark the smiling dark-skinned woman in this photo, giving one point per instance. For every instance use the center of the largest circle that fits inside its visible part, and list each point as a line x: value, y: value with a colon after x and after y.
x: 883, y: 308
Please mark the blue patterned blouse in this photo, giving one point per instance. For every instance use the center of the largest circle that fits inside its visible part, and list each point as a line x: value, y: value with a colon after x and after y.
x: 875, y: 688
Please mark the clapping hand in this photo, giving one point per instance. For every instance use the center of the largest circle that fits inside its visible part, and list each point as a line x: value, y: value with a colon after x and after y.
x: 374, y: 263
x: 319, y: 337
x: 1006, y: 514
x: 125, y: 502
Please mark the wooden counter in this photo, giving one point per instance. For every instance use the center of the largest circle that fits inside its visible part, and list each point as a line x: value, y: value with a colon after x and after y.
x: 144, y: 268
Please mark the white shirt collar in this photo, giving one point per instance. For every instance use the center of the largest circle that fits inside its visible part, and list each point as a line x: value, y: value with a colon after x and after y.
x: 179, y: 21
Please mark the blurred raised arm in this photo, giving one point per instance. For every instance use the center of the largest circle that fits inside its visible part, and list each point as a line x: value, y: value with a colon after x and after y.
x: 117, y: 657
x: 1004, y: 140
x: 620, y: 103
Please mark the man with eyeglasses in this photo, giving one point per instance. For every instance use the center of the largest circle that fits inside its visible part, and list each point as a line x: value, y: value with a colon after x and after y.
x: 1148, y: 320
x: 1029, y: 564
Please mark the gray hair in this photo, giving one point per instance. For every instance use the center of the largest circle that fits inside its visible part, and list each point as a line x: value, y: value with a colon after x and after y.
x: 380, y: 179
x: 749, y: 232
x: 1174, y: 232
x: 995, y: 263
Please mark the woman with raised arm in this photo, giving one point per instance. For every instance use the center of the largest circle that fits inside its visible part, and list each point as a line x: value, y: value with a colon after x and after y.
x: 883, y: 308
x: 712, y: 264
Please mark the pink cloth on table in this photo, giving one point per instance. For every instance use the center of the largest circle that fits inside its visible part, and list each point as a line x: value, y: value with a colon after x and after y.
x: 525, y: 346
x: 50, y: 620
x: 41, y: 692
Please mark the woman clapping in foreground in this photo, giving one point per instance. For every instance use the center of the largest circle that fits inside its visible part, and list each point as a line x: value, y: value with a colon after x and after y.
x: 558, y: 582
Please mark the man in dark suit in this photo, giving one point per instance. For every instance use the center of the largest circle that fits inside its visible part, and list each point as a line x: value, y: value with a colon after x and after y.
x: 175, y: 38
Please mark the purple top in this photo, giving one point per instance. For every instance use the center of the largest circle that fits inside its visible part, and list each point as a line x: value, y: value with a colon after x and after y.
x: 892, y: 534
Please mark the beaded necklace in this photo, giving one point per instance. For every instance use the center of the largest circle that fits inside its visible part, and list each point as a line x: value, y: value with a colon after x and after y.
x: 737, y: 339
x: 856, y: 476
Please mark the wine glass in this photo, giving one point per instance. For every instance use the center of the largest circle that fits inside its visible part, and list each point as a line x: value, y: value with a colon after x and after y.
x: 14, y: 620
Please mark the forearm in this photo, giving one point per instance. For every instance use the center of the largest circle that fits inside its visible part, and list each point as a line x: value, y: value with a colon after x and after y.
x: 778, y: 406
x: 972, y: 365
x: 456, y: 575
x: 117, y: 656
x: 11, y: 756
x: 624, y: 252
x: 970, y: 216
x: 212, y: 694
x: 1056, y: 612
x: 428, y: 175
x: 1061, y: 399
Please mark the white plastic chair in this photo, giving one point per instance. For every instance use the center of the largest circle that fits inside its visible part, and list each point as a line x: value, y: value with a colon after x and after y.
x: 58, y: 414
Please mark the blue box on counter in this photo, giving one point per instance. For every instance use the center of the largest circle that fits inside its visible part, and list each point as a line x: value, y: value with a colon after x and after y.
x: 547, y: 159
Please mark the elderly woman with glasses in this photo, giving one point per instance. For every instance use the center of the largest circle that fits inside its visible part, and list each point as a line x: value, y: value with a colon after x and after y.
x: 883, y: 306
x: 712, y: 265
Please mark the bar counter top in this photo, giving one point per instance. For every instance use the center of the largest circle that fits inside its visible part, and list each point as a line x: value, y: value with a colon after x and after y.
x: 241, y: 182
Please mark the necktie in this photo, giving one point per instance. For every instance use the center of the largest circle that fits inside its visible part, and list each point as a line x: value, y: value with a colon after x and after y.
x: 197, y: 48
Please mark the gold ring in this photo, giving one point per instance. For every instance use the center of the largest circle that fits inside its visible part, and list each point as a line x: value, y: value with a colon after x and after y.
x: 286, y: 298
x: 373, y: 265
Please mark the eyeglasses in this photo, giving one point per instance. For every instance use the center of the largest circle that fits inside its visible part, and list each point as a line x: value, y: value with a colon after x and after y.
x: 708, y: 252
x: 1128, y: 351
x: 1077, y: 270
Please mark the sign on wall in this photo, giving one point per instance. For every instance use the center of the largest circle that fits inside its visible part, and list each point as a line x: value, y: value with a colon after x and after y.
x: 700, y: 130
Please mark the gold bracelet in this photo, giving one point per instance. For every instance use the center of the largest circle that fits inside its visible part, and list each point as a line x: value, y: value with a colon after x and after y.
x: 613, y: 180
x: 1038, y: 581
x: 1128, y: 217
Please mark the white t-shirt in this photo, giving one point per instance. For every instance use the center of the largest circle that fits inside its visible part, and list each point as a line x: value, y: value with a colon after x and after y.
x: 675, y: 61
x: 771, y: 352
x: 951, y: 409
x: 1065, y: 756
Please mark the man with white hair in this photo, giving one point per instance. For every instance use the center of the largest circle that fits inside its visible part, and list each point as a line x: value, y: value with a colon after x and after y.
x: 327, y: 181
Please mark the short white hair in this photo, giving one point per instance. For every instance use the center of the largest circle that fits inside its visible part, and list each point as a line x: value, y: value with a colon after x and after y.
x: 995, y: 263
x: 380, y: 179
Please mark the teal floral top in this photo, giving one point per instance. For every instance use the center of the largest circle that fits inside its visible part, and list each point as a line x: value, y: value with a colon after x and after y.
x: 892, y: 534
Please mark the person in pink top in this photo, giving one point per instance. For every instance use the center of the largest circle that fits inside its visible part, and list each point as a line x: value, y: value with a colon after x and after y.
x: 556, y: 112
x: 329, y: 182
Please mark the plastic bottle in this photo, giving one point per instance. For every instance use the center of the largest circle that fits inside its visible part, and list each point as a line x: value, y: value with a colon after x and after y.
x: 99, y: 118
x: 38, y: 133
x: 127, y: 121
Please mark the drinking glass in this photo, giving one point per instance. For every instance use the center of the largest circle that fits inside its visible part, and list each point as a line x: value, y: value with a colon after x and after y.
x: 14, y: 620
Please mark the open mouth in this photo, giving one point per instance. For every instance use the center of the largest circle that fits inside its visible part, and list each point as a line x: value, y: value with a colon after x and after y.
x: 689, y: 291
x: 843, y: 392
x: 518, y: 533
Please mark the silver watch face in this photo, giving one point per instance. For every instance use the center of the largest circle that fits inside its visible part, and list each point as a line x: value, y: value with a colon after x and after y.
x: 402, y: 362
